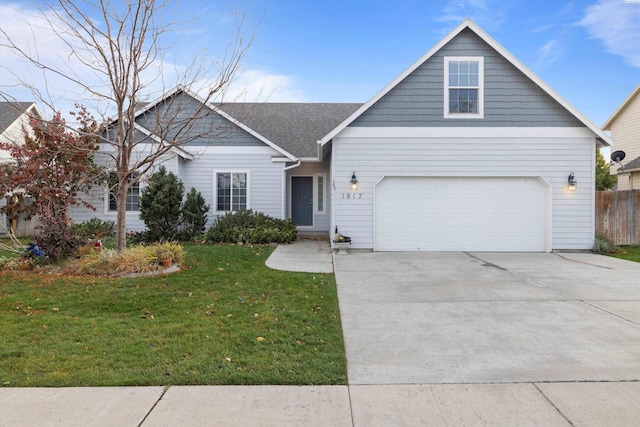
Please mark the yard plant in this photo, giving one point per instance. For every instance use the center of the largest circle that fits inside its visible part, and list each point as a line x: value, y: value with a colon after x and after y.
x: 226, y: 319
x: 250, y: 227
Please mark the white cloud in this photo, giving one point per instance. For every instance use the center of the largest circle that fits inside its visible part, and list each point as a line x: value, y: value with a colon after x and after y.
x: 617, y: 25
x: 262, y: 86
x: 38, y: 32
x: 548, y: 53
x: 485, y: 13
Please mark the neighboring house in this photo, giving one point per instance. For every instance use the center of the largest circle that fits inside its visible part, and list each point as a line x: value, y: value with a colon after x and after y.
x: 466, y: 150
x: 624, y: 126
x: 14, y: 119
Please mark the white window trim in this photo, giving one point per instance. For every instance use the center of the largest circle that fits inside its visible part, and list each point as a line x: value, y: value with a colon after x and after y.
x: 107, y: 199
x: 316, y: 201
x: 215, y: 187
x: 480, y: 61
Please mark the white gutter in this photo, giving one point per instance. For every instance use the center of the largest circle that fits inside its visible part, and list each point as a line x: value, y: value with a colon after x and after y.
x: 284, y: 188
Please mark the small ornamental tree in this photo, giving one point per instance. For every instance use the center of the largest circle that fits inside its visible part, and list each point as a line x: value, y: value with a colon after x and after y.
x: 160, y: 203
x: 46, y: 175
x: 194, y: 214
x: 604, y: 180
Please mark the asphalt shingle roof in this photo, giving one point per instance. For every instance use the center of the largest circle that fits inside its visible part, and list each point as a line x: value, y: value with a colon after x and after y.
x: 295, y: 127
x: 10, y: 111
x: 633, y: 164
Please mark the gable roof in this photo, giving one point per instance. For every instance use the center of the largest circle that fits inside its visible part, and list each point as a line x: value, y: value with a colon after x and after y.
x: 144, y: 107
x: 11, y: 111
x: 290, y: 128
x: 293, y: 126
x: 621, y: 108
x: 467, y: 23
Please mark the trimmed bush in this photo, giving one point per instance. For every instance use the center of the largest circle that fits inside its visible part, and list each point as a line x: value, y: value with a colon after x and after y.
x: 194, y: 215
x: 160, y: 205
x: 250, y: 227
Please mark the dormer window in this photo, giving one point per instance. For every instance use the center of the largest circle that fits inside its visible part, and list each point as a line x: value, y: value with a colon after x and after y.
x: 464, y: 87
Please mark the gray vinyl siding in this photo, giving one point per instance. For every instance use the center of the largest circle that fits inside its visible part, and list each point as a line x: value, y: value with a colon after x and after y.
x: 511, y: 99
x: 265, y: 180
x: 551, y: 158
x: 183, y: 118
x: 321, y: 220
x: 265, y: 183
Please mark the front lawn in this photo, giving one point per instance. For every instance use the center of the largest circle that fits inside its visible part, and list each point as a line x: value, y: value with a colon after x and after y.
x: 631, y: 253
x: 226, y: 319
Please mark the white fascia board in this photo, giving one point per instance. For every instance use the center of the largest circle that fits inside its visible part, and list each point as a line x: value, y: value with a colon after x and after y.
x: 216, y: 109
x: 158, y: 100
x: 256, y: 134
x: 467, y: 23
x: 394, y: 82
x: 176, y: 149
x: 18, y: 121
x: 238, y: 123
x: 34, y: 110
x: 620, y: 109
x: 604, y: 138
x: 466, y: 132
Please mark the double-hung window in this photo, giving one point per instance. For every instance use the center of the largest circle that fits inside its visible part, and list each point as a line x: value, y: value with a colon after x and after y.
x: 464, y: 87
x: 232, y: 191
x: 133, y: 193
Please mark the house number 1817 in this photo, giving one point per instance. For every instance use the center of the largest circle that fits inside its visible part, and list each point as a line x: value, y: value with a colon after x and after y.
x: 352, y: 196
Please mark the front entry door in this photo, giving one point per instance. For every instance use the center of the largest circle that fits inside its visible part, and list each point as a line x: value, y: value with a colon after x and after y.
x: 302, y: 200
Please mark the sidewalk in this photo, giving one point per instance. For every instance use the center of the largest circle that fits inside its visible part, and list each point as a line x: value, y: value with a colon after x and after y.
x: 502, y: 404
x: 548, y: 404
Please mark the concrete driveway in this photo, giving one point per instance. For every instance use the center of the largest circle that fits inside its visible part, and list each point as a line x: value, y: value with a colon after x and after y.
x: 415, y: 318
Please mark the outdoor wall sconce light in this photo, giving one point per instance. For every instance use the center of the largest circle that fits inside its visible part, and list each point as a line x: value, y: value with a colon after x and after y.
x: 354, y: 182
x: 573, y: 184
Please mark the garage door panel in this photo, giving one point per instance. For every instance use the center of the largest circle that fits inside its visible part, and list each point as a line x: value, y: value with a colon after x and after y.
x: 461, y: 213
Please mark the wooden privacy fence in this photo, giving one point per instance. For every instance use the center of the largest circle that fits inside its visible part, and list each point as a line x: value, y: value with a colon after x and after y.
x: 618, y: 216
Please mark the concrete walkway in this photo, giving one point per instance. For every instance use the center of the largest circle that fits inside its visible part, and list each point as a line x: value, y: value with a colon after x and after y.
x: 548, y: 403
x: 304, y: 255
x: 544, y: 404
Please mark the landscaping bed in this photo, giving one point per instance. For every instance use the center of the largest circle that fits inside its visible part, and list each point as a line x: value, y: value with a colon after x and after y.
x: 225, y: 319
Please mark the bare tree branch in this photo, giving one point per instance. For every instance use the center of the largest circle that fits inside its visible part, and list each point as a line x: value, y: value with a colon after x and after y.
x: 120, y: 49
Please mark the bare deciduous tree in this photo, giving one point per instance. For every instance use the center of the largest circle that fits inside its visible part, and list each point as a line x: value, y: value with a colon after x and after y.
x: 124, y: 44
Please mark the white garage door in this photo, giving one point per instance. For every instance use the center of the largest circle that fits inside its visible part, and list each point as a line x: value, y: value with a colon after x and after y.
x: 462, y: 214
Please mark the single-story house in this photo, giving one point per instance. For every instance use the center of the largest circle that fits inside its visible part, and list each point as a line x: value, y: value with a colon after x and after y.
x: 624, y: 125
x: 14, y: 120
x: 466, y: 150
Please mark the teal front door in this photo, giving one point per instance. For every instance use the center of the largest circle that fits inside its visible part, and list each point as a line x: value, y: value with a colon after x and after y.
x: 302, y: 200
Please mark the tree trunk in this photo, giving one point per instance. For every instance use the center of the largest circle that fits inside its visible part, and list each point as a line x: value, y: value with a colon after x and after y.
x: 121, y: 201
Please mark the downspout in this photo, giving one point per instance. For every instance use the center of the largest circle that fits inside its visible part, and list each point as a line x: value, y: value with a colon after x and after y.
x: 284, y: 187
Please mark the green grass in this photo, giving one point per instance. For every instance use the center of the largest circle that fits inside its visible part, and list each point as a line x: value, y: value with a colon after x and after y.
x: 226, y: 319
x: 630, y: 253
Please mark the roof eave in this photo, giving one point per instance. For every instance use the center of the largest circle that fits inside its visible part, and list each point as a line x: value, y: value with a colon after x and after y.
x: 217, y: 109
x: 256, y: 135
x: 621, y: 108
x: 468, y: 23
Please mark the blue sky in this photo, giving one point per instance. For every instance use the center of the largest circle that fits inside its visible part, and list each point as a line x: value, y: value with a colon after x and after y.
x: 346, y: 51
